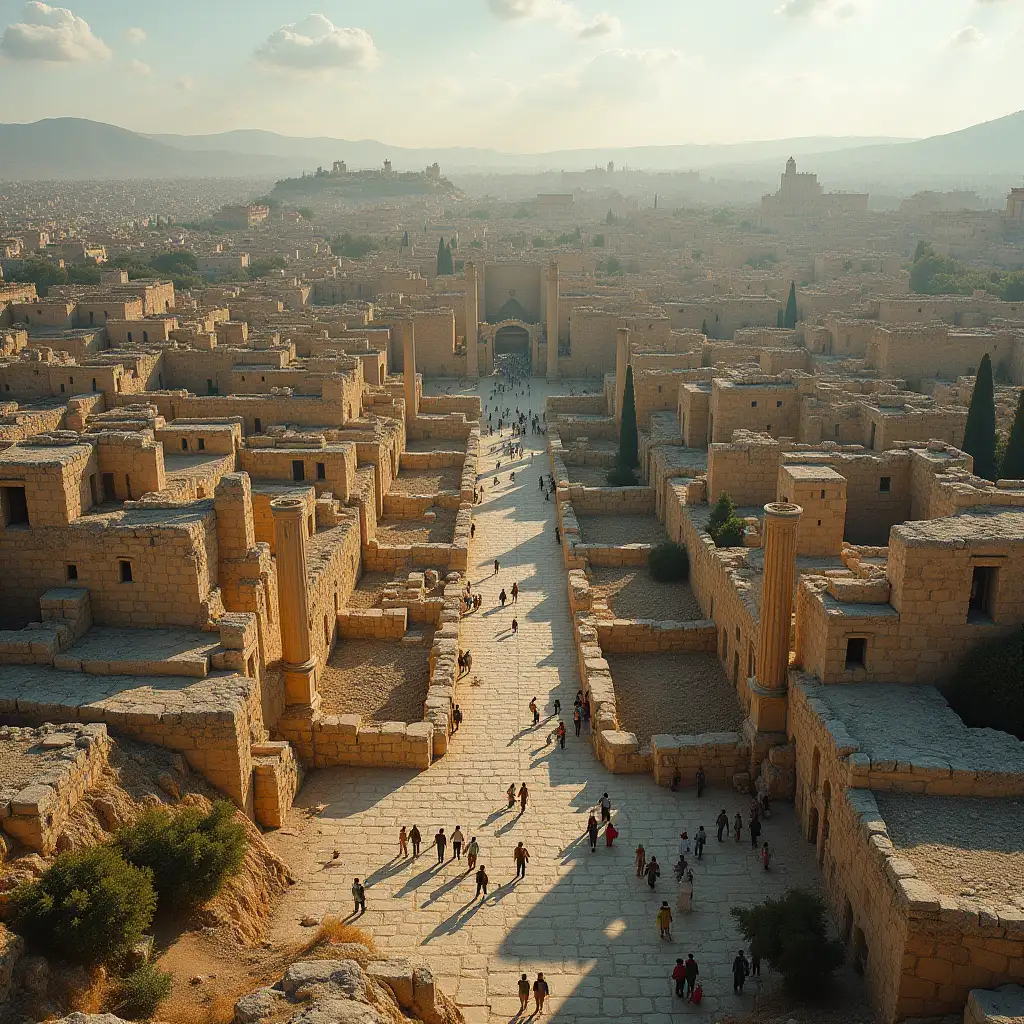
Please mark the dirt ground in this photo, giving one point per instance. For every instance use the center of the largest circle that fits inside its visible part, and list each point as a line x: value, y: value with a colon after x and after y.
x: 381, y: 681
x: 427, y: 481
x: 631, y: 593
x: 685, y: 694
x: 418, y: 531
x: 589, y: 476
x: 618, y: 530
x: 368, y: 590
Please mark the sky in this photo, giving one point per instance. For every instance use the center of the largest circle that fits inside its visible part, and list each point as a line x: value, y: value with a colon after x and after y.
x: 517, y: 75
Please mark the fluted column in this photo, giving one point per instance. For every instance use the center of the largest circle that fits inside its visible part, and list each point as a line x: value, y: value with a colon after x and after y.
x: 293, y: 604
x: 409, y: 369
x: 553, y: 321
x: 781, y: 520
x: 472, y: 323
x: 621, y: 362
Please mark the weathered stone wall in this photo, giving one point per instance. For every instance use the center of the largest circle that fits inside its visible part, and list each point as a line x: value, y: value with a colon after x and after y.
x: 721, y: 754
x: 611, y: 500
x: 277, y: 778
x: 627, y: 636
x: 770, y: 408
x: 747, y: 469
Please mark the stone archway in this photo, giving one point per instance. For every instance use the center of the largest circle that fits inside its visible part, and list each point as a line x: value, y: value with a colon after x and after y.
x: 511, y: 336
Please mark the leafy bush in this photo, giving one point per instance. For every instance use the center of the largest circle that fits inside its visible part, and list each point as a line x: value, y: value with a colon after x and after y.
x: 791, y: 934
x: 730, y: 533
x: 190, y: 853
x: 88, y: 906
x: 669, y: 562
x: 621, y: 476
x: 724, y: 510
x: 137, y: 995
x: 988, y: 688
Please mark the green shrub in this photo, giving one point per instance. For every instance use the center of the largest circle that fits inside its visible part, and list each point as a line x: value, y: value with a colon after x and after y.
x: 988, y: 688
x: 723, y: 511
x: 791, y: 934
x: 137, y: 995
x: 190, y: 853
x: 621, y: 476
x: 88, y: 906
x: 669, y: 562
x: 730, y: 533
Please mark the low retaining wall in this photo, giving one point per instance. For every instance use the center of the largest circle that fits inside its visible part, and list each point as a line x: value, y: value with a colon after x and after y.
x: 277, y: 778
x: 372, y: 623
x: 600, y: 501
x: 323, y: 741
x: 431, y: 460
x: 37, y: 814
x: 647, y: 636
x: 609, y: 554
x: 722, y: 755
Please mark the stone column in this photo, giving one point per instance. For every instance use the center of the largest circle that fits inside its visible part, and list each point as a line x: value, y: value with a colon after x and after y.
x: 552, y: 321
x: 768, y: 691
x: 409, y: 369
x: 472, y: 323
x: 293, y: 603
x: 621, y: 362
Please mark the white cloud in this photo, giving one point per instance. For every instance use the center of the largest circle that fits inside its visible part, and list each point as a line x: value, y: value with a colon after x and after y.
x: 138, y: 67
x: 967, y: 36
x: 819, y: 10
x: 135, y: 35
x: 51, y: 34
x: 316, y: 44
x: 557, y: 12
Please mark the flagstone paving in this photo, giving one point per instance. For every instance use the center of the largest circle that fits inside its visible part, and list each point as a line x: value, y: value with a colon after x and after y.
x: 583, y: 918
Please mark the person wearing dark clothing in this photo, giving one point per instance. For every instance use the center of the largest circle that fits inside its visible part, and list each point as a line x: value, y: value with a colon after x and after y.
x: 521, y: 856
x: 558, y: 535
x: 481, y: 881
x: 503, y: 597
x: 722, y: 821
x: 699, y: 841
x: 540, y: 993
x: 524, y: 993
x: 692, y: 970
x: 592, y: 832
x: 358, y: 897
x: 415, y: 838
x: 701, y: 780
x: 652, y: 871
x: 740, y: 970
x: 577, y: 719
x: 755, y: 831
x: 561, y: 734
x: 440, y: 841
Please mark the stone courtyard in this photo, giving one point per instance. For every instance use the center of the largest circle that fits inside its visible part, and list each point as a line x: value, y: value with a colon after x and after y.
x: 582, y: 918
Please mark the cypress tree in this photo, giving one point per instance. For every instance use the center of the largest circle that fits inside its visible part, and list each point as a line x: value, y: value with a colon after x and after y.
x: 1013, y: 460
x: 627, y: 429
x: 704, y: 328
x: 980, y: 430
x: 789, y: 321
x: 441, y: 251
x: 405, y: 240
x: 921, y: 250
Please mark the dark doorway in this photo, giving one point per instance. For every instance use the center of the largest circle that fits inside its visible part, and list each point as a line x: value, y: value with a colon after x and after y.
x: 14, y: 505
x: 512, y: 340
x: 109, y: 492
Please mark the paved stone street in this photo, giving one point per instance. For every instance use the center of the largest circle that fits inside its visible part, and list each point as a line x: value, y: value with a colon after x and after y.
x: 583, y: 918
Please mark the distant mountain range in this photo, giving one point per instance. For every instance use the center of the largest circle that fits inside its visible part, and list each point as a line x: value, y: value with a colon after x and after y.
x: 73, y: 148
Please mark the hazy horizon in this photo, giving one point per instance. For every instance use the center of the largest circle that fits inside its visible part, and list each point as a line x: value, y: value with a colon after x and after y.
x: 519, y: 76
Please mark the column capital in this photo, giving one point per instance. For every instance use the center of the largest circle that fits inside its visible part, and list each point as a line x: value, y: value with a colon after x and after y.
x: 783, y: 512
x: 288, y: 508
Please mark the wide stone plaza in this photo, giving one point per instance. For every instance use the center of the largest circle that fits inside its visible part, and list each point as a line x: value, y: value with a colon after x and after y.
x: 582, y: 918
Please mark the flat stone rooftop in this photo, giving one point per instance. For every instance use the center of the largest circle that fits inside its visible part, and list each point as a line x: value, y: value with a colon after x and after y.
x: 172, y: 652
x: 876, y: 716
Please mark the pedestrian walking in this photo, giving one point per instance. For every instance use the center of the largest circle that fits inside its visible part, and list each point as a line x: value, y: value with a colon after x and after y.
x: 641, y: 860
x: 457, y: 840
x: 558, y: 707
x: 722, y: 821
x: 740, y: 970
x: 403, y: 842
x: 440, y: 841
x: 652, y: 871
x: 521, y: 856
x: 577, y: 719
x: 611, y: 833
x: 737, y: 826
x: 524, y: 993
x: 701, y: 781
x: 503, y: 597
x: 558, y: 536
x: 536, y: 713
x: 415, y: 838
x: 457, y: 716
x: 472, y: 530
x: 542, y: 483
x: 511, y: 794
x: 755, y: 830
x: 481, y: 881
x: 766, y: 856
x: 496, y: 566
x: 561, y: 735
x: 699, y: 841
x: 692, y: 971
x: 664, y: 919
x: 461, y: 662
x: 515, y: 627
x: 592, y: 832
x: 684, y: 897
x: 524, y: 796
x: 472, y: 852
x: 679, y: 977
x: 540, y: 992
x: 515, y: 592
x: 358, y: 897
x: 606, y: 807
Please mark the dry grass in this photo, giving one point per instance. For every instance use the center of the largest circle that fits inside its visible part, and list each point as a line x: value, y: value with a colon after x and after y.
x: 215, y: 1009
x: 92, y: 998
x: 334, y: 929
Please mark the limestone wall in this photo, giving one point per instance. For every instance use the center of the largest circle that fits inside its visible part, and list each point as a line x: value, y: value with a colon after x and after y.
x: 627, y: 636
x: 323, y: 741
x: 611, y: 500
x: 277, y: 778
x: 372, y: 623
x: 747, y: 469
x: 37, y: 814
x: 722, y: 755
